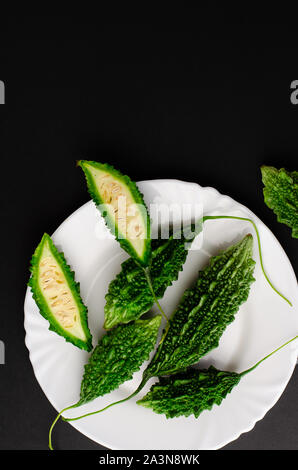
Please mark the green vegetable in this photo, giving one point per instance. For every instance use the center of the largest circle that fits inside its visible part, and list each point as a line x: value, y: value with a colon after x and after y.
x: 122, y: 205
x: 206, y: 310
x: 57, y: 295
x: 190, y: 393
x: 281, y: 195
x: 129, y: 295
x: 119, y: 354
x: 194, y: 391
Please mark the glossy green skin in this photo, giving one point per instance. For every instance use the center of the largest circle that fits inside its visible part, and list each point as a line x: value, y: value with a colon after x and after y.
x: 120, y: 353
x: 129, y: 295
x: 206, y: 310
x: 190, y: 393
x: 144, y: 260
x: 281, y: 195
x: 74, y: 287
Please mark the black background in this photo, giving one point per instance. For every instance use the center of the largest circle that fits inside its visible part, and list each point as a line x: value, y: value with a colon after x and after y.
x: 196, y: 96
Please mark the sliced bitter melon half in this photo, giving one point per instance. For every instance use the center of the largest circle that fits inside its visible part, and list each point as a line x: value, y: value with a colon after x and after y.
x: 57, y: 295
x: 122, y: 205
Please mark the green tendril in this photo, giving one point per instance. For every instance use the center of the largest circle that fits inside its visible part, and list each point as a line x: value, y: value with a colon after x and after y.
x: 55, y: 421
x: 212, y: 217
x: 106, y: 407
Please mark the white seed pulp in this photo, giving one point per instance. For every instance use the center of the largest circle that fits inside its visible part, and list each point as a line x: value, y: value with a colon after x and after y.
x: 58, y: 295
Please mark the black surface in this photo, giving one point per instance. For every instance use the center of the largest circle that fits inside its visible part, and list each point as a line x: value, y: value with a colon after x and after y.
x: 197, y: 97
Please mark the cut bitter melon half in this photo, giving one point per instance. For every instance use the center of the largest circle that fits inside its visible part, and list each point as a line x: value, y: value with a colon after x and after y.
x: 122, y: 206
x: 57, y: 295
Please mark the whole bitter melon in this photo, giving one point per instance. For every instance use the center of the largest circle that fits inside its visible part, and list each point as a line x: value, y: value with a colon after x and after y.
x: 206, y: 310
x: 119, y: 353
x: 57, y: 295
x: 190, y: 393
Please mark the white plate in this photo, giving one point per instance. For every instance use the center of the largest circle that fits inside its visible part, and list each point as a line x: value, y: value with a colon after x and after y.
x: 264, y: 322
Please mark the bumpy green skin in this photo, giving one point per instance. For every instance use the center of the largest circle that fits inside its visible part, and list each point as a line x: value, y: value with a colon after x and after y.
x: 205, y: 310
x: 281, y: 195
x: 129, y: 295
x: 138, y: 199
x: 74, y: 287
x: 119, y: 354
x: 190, y: 393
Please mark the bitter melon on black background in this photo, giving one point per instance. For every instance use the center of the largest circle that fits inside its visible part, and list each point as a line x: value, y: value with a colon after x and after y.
x: 190, y: 393
x: 57, y: 295
x: 180, y: 99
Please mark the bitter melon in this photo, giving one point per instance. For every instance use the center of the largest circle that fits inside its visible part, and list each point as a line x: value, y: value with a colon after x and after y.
x: 122, y: 205
x: 129, y: 295
x: 281, y: 195
x: 205, y: 310
x: 57, y: 294
x: 120, y: 353
x: 190, y: 393
x: 195, y: 390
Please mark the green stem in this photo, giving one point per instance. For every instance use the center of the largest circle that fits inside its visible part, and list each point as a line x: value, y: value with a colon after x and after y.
x: 149, y: 281
x: 55, y: 421
x: 211, y: 217
x: 144, y: 380
x: 268, y: 355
